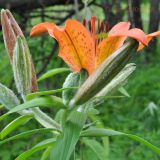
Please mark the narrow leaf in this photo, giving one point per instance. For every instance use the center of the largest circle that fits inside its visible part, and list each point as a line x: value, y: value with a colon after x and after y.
x: 7, y: 97
x: 50, y: 101
x: 72, y: 80
x: 97, y: 148
x: 50, y: 92
x: 27, y: 133
x: 97, y: 132
x: 42, y: 145
x: 46, y: 153
x: 123, y: 91
x: 14, y: 124
x: 66, y: 142
x: 52, y: 73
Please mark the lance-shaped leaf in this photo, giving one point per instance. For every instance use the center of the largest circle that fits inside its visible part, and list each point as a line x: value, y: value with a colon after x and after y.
x: 118, y: 80
x: 28, y: 134
x: 14, y: 124
x: 72, y: 80
x: 66, y: 142
x: 7, y: 97
x: 101, y: 132
x: 105, y: 73
x: 42, y: 145
x: 96, y: 147
x: 22, y: 66
x: 52, y: 73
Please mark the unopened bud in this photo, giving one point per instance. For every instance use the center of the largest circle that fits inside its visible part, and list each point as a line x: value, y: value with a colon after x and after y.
x: 105, y: 73
x: 22, y: 66
x: 10, y: 30
x: 118, y: 80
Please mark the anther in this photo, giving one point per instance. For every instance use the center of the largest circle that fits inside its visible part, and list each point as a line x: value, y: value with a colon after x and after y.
x: 102, y: 26
x: 107, y: 26
x: 89, y: 25
x: 93, y: 27
x: 84, y: 22
x: 99, y: 26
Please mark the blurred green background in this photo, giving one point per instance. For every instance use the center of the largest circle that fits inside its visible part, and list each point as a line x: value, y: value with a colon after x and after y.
x: 138, y: 114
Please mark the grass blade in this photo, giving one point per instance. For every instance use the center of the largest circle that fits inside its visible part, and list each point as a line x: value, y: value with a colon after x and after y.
x: 27, y: 133
x: 42, y: 145
x: 98, y: 132
x: 51, y: 92
x: 52, y: 73
x: 14, y: 124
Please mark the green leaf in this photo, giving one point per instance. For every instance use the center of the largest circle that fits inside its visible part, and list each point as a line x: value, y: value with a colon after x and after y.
x: 72, y: 80
x: 97, y: 132
x: 97, y: 148
x: 68, y: 139
x: 7, y: 97
x: 46, y: 153
x: 42, y: 145
x: 124, y: 92
x: 50, y: 101
x: 41, y: 117
x: 22, y: 66
x: 4, y: 116
x: 52, y: 73
x: 27, y: 133
x: 14, y: 124
x: 50, y: 92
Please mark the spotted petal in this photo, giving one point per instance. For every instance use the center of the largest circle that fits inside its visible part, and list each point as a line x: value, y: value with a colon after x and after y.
x: 116, y: 38
x: 149, y: 38
x: 112, y: 43
x: 42, y: 28
x: 76, y: 44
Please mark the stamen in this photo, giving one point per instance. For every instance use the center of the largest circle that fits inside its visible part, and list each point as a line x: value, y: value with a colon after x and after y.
x: 107, y: 26
x: 84, y: 22
x: 89, y: 25
x: 93, y: 27
x: 99, y: 26
x: 102, y: 27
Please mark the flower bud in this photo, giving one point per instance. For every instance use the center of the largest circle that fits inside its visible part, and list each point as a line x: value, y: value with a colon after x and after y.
x: 118, y: 80
x: 22, y: 66
x: 105, y: 73
x: 10, y: 30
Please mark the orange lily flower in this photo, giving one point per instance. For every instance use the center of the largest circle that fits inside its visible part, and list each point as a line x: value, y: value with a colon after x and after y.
x: 80, y: 48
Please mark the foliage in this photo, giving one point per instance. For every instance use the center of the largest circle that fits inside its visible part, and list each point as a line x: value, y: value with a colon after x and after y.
x: 137, y: 114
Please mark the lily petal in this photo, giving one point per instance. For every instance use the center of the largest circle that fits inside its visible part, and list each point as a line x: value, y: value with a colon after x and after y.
x: 116, y: 38
x: 119, y: 28
x: 149, y: 38
x: 76, y: 44
x: 67, y: 50
x: 138, y: 35
x: 83, y: 44
x: 112, y: 43
x: 42, y: 28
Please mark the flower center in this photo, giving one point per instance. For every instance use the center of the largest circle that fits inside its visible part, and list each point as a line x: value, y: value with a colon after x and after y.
x: 98, y: 30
